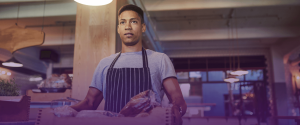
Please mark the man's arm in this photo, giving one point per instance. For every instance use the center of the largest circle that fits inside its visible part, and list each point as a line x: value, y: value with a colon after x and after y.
x: 174, y: 93
x: 91, y: 101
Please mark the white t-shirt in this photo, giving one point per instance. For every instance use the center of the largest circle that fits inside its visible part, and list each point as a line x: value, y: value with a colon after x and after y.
x: 159, y: 64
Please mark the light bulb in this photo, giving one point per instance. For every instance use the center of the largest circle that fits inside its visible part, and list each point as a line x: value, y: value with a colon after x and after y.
x: 239, y: 72
x: 12, y: 64
x: 94, y: 2
x: 231, y: 80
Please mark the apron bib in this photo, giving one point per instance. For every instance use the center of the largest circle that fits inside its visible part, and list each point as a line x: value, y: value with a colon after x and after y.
x: 124, y: 83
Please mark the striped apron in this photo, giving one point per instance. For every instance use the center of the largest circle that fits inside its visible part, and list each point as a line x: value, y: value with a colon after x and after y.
x: 124, y: 83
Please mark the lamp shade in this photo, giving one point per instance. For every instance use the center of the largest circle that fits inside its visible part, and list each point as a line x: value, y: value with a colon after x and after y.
x: 94, y: 2
x: 239, y: 72
x: 12, y: 63
x: 231, y: 79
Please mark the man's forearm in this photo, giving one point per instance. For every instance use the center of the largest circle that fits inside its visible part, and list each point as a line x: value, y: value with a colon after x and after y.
x: 91, y: 101
x: 174, y: 94
x: 178, y: 101
x: 83, y: 105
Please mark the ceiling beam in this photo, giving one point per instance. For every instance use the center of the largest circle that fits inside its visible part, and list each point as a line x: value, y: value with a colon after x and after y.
x: 169, y: 5
x: 23, y: 1
x: 215, y: 52
x: 31, y: 10
x: 218, y: 44
x: 219, y: 34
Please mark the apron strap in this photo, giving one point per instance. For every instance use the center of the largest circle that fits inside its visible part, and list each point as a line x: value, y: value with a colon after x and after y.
x: 145, y: 58
x: 144, y: 55
x: 115, y: 60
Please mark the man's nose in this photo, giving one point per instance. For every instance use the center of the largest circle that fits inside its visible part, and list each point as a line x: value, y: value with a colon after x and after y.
x: 128, y: 26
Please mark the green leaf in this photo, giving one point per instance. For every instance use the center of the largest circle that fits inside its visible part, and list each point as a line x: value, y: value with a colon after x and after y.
x: 9, y: 88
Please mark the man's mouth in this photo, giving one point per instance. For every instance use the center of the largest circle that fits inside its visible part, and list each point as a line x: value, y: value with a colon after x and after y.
x: 128, y: 34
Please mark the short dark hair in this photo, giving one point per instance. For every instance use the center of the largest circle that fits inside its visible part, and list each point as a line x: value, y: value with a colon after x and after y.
x: 134, y: 8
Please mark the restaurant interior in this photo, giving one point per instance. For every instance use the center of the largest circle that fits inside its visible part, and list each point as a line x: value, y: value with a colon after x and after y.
x: 207, y: 42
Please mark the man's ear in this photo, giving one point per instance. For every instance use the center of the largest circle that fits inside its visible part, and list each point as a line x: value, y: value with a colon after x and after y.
x: 143, y: 27
x: 118, y: 29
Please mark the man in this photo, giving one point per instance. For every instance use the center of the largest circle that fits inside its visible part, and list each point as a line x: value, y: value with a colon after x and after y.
x: 121, y: 76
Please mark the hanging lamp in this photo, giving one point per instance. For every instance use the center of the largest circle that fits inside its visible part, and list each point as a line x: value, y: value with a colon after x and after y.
x: 231, y: 79
x: 12, y: 63
x: 239, y: 71
x: 94, y: 2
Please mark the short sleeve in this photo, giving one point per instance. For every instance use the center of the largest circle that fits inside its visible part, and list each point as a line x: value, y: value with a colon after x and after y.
x: 97, y: 81
x: 167, y: 69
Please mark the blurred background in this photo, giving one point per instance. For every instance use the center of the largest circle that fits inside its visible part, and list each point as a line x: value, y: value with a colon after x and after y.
x: 205, y: 39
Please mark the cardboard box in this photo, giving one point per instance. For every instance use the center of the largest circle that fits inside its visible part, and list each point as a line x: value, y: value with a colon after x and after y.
x: 14, y: 108
x: 158, y: 116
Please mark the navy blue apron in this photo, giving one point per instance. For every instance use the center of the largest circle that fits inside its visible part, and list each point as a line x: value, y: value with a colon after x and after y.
x: 124, y: 83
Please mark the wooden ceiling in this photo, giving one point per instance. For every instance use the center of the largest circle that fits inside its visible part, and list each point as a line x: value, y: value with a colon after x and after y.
x: 180, y: 24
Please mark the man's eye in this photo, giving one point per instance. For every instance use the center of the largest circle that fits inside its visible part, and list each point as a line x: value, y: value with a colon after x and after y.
x: 122, y: 22
x: 134, y: 21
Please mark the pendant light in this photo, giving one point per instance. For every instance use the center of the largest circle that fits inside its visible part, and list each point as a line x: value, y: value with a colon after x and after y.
x: 239, y: 71
x: 94, y: 2
x: 12, y: 63
x: 230, y: 78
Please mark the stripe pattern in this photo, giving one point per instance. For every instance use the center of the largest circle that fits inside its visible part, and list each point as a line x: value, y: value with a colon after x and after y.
x: 124, y: 83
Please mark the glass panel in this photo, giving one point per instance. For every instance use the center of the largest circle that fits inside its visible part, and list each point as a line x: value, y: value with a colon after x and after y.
x: 213, y: 93
x: 241, y: 78
x: 185, y: 89
x: 197, y: 76
x: 254, y: 75
x: 235, y: 87
x: 216, y: 76
x: 204, y: 76
x: 182, y: 76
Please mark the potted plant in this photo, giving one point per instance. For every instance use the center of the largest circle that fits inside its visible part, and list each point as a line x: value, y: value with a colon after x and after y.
x: 9, y: 88
x: 12, y: 106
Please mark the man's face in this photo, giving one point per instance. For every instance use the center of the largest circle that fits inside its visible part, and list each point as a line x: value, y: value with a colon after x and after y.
x: 130, y: 27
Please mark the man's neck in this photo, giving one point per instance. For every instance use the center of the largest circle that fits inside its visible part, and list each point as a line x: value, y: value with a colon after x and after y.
x: 136, y: 48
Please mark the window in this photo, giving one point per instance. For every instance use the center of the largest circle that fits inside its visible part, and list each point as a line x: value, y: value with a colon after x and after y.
x: 197, y: 76
x: 254, y: 75
x: 182, y: 76
x: 216, y: 75
x: 185, y: 89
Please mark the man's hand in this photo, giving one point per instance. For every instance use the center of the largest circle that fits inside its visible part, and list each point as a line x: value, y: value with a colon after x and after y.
x: 174, y: 95
x: 91, y: 101
x: 177, y: 115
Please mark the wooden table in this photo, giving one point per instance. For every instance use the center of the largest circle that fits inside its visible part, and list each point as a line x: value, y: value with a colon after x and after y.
x: 296, y: 118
